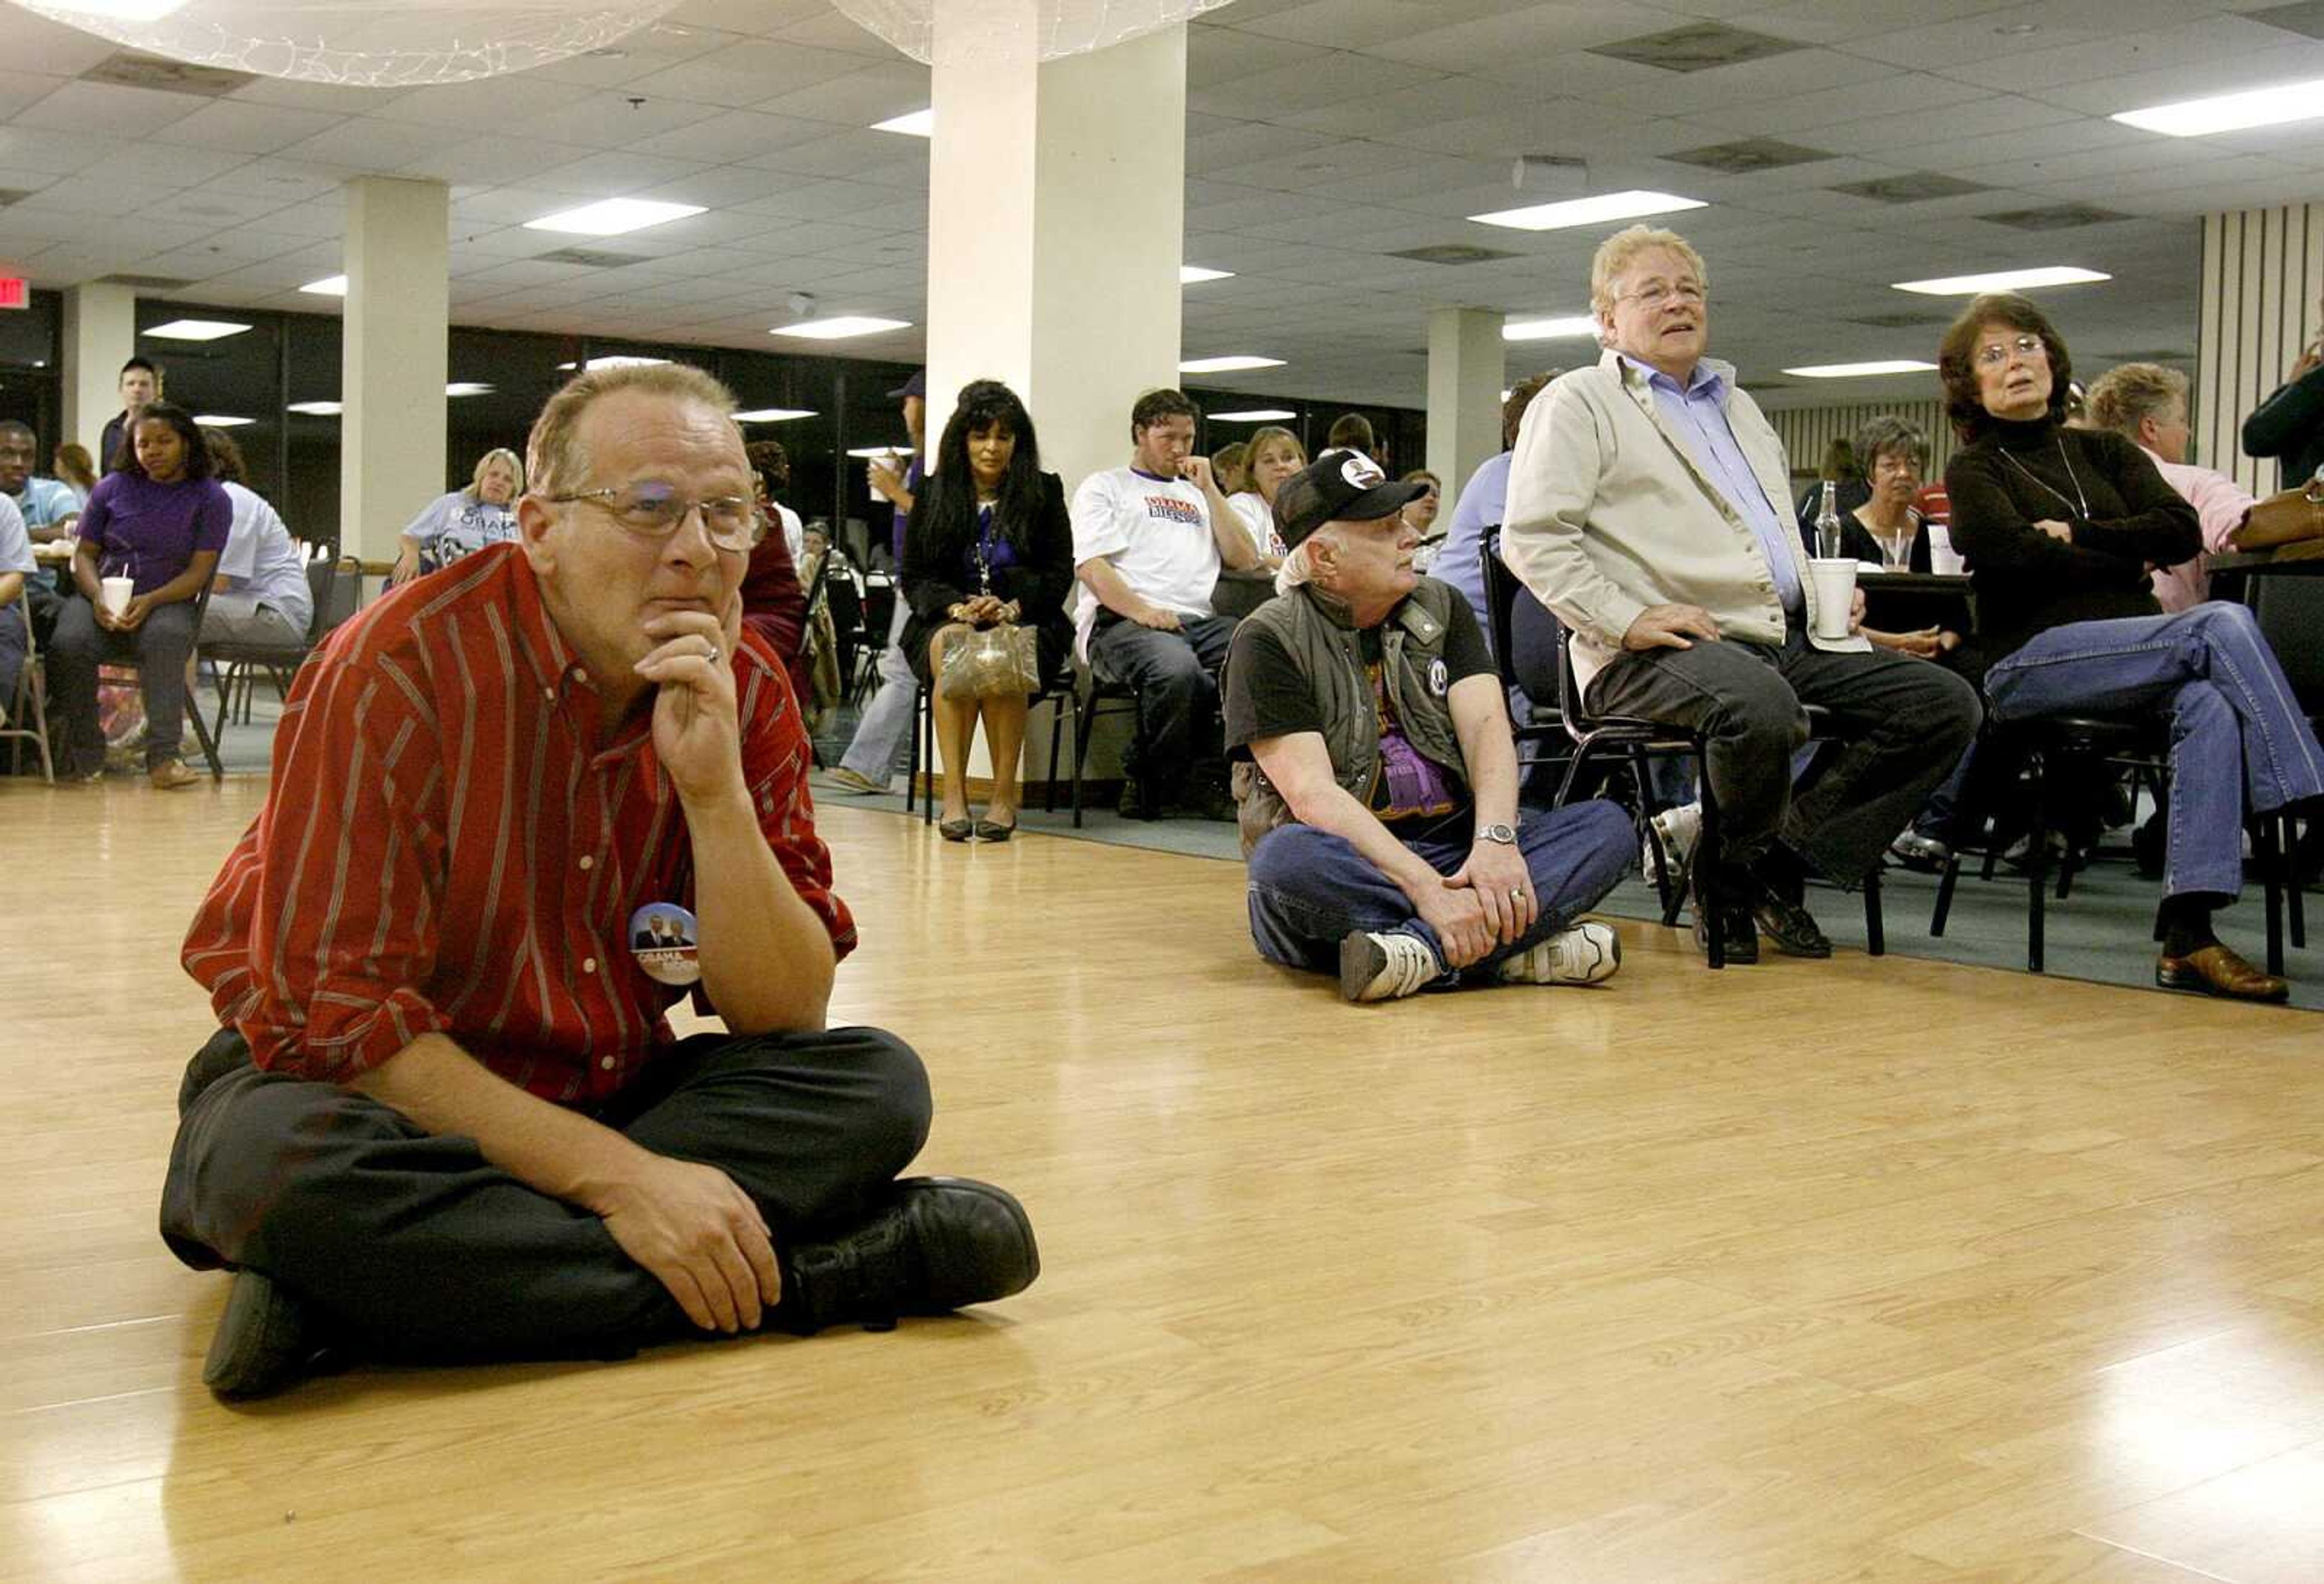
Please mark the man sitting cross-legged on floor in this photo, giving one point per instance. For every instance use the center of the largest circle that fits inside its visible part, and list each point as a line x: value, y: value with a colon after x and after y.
x: 1375, y: 777
x: 469, y: 1131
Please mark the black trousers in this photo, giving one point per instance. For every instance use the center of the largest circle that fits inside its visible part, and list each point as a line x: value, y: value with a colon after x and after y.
x: 1908, y: 722
x: 417, y: 1248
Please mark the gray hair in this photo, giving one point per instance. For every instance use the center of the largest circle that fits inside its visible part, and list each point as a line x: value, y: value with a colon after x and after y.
x: 1299, y: 567
x: 1885, y: 433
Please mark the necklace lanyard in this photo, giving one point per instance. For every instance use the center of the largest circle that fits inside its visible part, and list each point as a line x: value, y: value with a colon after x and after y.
x: 2078, y: 500
x: 985, y: 536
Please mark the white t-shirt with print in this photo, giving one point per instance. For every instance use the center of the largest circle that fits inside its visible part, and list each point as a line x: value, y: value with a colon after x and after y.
x: 1157, y: 533
x: 1258, y: 518
x: 456, y: 525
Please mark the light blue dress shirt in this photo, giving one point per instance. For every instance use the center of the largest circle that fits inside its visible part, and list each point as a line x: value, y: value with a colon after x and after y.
x: 1697, y: 413
x: 1459, y: 559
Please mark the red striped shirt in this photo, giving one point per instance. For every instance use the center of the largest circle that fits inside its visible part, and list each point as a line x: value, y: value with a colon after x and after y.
x: 446, y: 848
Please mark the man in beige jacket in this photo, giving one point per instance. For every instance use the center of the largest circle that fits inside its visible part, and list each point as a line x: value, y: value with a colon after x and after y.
x: 1645, y: 510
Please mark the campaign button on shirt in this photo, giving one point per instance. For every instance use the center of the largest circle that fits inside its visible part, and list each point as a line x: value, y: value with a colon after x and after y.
x: 663, y: 939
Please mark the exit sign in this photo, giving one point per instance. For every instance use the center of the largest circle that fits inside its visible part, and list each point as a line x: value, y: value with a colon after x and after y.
x: 15, y: 292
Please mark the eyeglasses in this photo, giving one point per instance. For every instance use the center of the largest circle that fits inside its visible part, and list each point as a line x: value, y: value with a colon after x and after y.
x: 1993, y: 356
x: 1655, y: 293
x: 655, y: 511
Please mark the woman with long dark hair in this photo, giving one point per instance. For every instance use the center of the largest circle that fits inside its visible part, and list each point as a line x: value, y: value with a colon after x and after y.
x: 160, y: 520
x: 2060, y: 527
x: 989, y: 542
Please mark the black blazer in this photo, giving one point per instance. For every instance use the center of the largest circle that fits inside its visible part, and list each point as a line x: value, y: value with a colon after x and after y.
x: 937, y: 577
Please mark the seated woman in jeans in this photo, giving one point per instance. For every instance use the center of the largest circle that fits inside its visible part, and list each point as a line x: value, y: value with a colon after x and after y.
x: 2060, y: 527
x: 160, y: 520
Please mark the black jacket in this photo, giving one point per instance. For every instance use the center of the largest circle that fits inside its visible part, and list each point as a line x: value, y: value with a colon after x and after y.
x: 936, y: 576
x: 2289, y: 424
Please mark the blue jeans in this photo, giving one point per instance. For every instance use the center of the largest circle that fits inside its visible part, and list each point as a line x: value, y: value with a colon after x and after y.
x: 2239, y: 743
x: 1177, y: 676
x: 1310, y: 888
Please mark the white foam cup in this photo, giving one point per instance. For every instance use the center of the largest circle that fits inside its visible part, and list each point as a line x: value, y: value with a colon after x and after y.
x: 1835, y: 590
x: 1943, y: 557
x: 116, y: 592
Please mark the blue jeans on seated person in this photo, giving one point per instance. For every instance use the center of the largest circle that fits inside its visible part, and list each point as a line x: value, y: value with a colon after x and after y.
x: 1175, y: 675
x: 2239, y: 743
x: 1310, y: 888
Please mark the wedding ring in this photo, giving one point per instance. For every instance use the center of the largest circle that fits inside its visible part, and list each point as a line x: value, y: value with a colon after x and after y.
x: 713, y: 654
x: 1516, y: 893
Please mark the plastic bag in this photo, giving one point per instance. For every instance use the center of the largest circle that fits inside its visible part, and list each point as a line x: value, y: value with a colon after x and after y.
x: 991, y: 661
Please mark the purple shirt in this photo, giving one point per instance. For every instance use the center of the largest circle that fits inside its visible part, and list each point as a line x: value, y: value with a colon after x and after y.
x: 151, y: 531
x: 1697, y: 413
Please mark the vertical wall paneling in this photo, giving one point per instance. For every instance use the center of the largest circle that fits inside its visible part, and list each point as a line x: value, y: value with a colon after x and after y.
x: 2261, y: 272
x: 1805, y: 431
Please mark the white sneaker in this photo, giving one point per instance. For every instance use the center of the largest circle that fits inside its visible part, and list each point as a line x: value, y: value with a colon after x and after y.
x: 1680, y: 828
x: 1381, y: 967
x: 1587, y: 954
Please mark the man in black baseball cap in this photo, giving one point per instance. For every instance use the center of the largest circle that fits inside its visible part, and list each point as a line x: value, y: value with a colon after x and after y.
x: 1375, y: 775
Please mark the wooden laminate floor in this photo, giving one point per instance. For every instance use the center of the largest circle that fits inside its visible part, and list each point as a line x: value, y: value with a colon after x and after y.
x: 1867, y: 1271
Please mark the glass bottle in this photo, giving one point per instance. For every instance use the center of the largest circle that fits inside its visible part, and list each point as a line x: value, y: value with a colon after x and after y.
x: 1828, y: 535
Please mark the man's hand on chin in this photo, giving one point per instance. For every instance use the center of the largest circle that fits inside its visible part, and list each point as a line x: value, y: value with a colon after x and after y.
x: 696, y: 732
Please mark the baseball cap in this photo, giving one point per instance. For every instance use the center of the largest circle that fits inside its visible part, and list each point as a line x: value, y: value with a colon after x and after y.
x: 1338, y: 486
x: 917, y: 385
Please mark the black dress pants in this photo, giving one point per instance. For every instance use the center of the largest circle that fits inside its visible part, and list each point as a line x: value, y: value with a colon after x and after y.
x: 417, y: 1248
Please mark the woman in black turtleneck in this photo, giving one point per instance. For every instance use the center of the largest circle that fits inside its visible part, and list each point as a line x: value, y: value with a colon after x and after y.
x: 2061, y: 528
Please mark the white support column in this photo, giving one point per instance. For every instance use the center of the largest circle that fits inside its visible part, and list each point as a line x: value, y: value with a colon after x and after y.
x: 100, y: 335
x: 1467, y: 360
x: 1057, y: 219
x: 394, y: 351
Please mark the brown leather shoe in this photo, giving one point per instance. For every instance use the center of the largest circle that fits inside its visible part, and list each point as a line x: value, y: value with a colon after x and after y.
x: 2216, y: 970
x: 172, y: 774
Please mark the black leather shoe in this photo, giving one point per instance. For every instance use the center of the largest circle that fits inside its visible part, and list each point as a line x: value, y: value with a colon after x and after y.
x: 1788, y: 927
x: 936, y: 1245
x: 266, y: 1341
x: 1739, y: 938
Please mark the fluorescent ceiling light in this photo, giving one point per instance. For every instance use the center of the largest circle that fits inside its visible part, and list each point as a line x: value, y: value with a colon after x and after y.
x: 868, y: 452
x: 614, y: 216
x: 1195, y: 274
x: 773, y: 414
x: 1227, y: 365
x: 618, y: 360
x: 1588, y: 211
x: 221, y: 420
x: 1559, y: 329
x: 2003, y: 281
x: 1849, y: 370
x: 319, y: 408
x: 2290, y: 101
x: 328, y: 286
x: 914, y: 124
x: 467, y: 388
x: 130, y: 10
x: 197, y: 330
x: 839, y: 327
x: 1255, y: 415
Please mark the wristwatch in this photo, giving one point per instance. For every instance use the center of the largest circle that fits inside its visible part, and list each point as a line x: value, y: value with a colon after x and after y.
x: 1506, y: 836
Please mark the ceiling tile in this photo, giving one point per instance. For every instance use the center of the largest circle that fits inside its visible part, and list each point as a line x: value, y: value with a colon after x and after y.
x: 1327, y: 80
